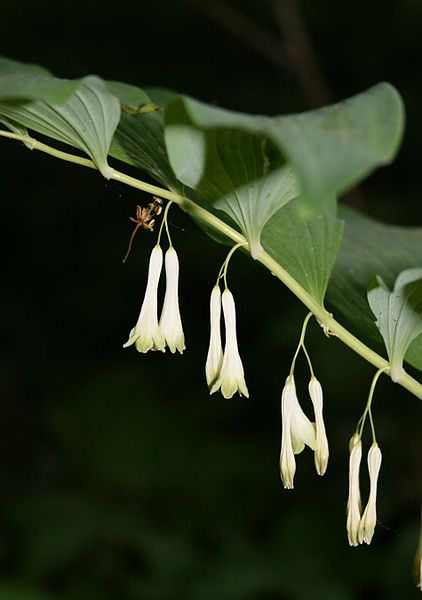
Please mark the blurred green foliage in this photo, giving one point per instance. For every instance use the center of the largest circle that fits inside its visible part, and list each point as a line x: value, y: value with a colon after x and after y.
x: 121, y: 477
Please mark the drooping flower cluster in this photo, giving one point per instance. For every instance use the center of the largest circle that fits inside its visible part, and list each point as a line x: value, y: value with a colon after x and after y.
x: 224, y: 371
x: 298, y: 431
x: 151, y: 333
x: 361, y: 526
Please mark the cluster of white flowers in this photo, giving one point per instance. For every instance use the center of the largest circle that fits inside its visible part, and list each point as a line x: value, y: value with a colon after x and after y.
x: 297, y: 430
x: 224, y: 371
x: 151, y: 333
x: 361, y: 526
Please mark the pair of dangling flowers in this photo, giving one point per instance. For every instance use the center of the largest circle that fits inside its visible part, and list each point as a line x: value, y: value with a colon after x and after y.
x: 361, y: 525
x: 296, y: 428
x: 298, y: 431
x: 224, y: 370
x: 151, y: 332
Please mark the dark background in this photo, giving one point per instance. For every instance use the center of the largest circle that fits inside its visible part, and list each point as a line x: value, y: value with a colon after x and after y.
x: 121, y: 478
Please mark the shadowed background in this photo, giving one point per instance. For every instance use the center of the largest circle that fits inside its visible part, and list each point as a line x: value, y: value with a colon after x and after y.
x: 121, y: 478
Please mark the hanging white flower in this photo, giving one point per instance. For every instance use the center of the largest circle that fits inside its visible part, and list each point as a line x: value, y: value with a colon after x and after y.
x: 146, y: 335
x: 287, y: 457
x: 231, y: 378
x: 354, y: 502
x: 321, y: 450
x: 369, y: 517
x: 170, y: 321
x: 215, y: 350
x: 297, y: 430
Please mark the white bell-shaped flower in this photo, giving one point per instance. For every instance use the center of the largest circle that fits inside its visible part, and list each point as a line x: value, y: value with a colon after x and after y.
x: 170, y: 321
x: 287, y: 457
x: 297, y: 430
x: 354, y: 502
x: 302, y: 430
x: 231, y: 378
x: 215, y: 350
x: 369, y: 517
x: 321, y: 450
x: 146, y: 335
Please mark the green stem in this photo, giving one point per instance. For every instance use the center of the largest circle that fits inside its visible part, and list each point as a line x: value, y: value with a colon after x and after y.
x: 367, y: 410
x: 224, y: 266
x: 326, y: 319
x: 164, y: 223
x: 300, y: 344
x: 308, y: 358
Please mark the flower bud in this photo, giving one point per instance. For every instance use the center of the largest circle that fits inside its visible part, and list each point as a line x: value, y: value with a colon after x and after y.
x: 170, y: 321
x: 215, y: 350
x: 354, y: 503
x: 321, y: 450
x: 369, y: 517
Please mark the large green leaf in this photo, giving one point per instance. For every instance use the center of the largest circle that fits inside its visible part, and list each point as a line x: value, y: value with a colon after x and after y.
x: 334, y: 147
x: 233, y: 168
x: 20, y: 81
x: 370, y: 248
x: 86, y: 120
x: 398, y: 314
x: 250, y: 166
x: 139, y: 137
x: 305, y: 244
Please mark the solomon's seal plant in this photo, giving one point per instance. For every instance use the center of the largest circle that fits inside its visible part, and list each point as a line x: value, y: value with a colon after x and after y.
x: 268, y: 186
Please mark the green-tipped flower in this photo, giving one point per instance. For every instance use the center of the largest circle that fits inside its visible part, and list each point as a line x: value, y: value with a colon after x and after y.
x: 170, y: 321
x: 146, y: 335
x: 369, y: 517
x: 321, y: 450
x: 354, y: 502
x: 231, y: 378
x: 297, y: 430
x: 215, y: 350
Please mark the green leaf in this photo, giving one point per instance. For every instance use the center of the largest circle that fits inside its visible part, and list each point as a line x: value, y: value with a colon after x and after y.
x: 305, y: 244
x: 250, y: 166
x: 370, y: 248
x: 334, y: 147
x: 86, y: 120
x: 162, y: 96
x: 139, y: 137
x: 20, y: 81
x: 129, y: 95
x: 237, y: 171
x: 15, y: 127
x: 398, y: 314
